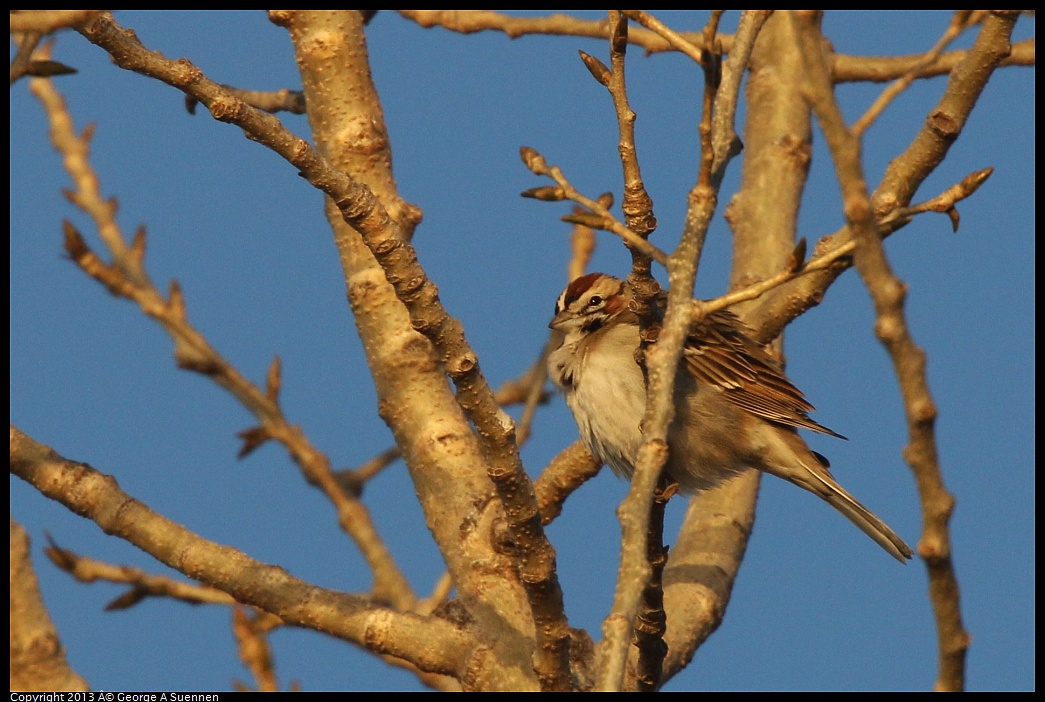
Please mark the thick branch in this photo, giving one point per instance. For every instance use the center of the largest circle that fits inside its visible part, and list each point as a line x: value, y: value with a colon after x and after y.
x: 386, y: 240
x: 431, y: 644
x: 38, y: 660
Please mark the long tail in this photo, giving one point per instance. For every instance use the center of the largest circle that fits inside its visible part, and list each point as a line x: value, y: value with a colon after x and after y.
x: 836, y: 496
x: 789, y: 458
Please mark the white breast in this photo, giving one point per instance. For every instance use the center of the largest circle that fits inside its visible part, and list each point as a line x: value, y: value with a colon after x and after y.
x: 608, y: 394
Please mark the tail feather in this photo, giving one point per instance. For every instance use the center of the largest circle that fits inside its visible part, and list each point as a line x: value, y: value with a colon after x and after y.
x: 788, y: 457
x: 836, y: 496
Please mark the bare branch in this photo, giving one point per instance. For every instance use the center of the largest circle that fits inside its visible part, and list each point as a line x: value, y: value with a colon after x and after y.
x: 573, y: 467
x: 38, y: 660
x: 251, y: 634
x: 844, y: 68
x: 889, y: 293
x: 724, y: 139
x: 881, y: 69
x: 651, y: 620
x: 677, y: 41
x: 662, y: 365
x: 89, y: 570
x: 762, y: 216
x: 636, y: 204
x: 959, y: 22
x: 469, y: 21
x: 430, y: 643
x: 839, y: 257
x: 127, y: 277
x: 945, y: 122
x: 387, y: 238
x: 703, y: 565
x: 903, y: 177
x: 47, y: 21
x: 602, y: 218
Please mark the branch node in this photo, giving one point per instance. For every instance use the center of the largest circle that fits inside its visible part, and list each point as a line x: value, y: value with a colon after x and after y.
x: 252, y: 439
x: 798, y: 256
x: 138, y: 246
x: 176, y: 301
x: 274, y: 381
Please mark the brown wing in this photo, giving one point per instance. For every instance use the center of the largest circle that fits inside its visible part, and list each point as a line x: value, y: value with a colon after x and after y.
x: 719, y: 352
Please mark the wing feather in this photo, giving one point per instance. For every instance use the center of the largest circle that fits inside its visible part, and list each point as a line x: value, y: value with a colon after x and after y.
x: 721, y: 354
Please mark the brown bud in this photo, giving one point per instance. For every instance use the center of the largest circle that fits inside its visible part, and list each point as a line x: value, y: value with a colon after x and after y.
x: 533, y: 160
x: 597, y: 68
x: 548, y: 193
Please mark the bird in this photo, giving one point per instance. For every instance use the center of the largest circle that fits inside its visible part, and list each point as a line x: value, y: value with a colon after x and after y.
x: 735, y: 410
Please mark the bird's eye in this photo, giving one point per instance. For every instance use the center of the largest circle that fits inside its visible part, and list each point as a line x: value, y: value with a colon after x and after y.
x: 595, y: 300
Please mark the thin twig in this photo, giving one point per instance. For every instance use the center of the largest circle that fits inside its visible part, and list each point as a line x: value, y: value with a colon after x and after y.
x: 601, y: 219
x: 690, y: 46
x: 126, y: 276
x: 889, y: 293
x: 960, y: 20
x: 251, y: 634
x: 469, y: 21
x: 725, y: 142
x: 845, y: 68
x: 636, y: 203
x: 689, y: 623
x: 838, y: 257
x: 662, y: 365
x: 143, y: 585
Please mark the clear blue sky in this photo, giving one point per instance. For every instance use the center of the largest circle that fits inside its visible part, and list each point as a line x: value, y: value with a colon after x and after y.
x: 816, y: 606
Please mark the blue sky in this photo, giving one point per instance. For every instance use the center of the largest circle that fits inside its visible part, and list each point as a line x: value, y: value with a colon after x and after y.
x: 817, y: 606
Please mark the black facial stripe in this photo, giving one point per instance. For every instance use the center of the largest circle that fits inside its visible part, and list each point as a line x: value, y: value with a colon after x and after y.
x: 593, y: 324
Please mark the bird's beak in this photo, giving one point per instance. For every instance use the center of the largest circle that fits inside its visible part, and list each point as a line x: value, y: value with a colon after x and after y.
x: 561, y: 320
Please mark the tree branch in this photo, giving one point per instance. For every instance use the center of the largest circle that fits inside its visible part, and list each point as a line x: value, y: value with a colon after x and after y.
x: 431, y: 644
x: 127, y: 277
x: 47, y: 21
x: 844, y: 68
x: 889, y: 293
x: 385, y: 238
x: 316, y: 36
x: 38, y: 660
x: 959, y: 22
x: 143, y: 585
